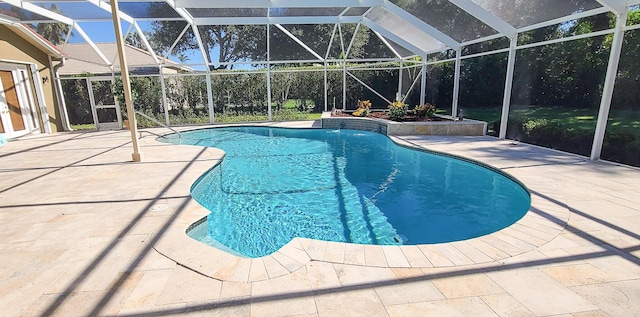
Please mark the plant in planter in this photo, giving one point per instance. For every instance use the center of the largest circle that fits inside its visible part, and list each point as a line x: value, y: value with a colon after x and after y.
x: 426, y: 110
x: 363, y: 108
x: 397, y: 110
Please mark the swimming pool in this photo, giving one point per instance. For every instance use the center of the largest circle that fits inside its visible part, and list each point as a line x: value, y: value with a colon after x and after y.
x: 276, y: 184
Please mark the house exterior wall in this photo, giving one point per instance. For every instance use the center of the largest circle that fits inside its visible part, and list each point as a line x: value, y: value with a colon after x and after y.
x: 14, y: 48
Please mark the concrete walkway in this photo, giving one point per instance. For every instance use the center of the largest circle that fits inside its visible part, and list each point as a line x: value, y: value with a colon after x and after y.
x: 85, y: 232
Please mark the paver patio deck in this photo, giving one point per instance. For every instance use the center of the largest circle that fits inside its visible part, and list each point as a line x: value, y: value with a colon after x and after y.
x: 85, y: 232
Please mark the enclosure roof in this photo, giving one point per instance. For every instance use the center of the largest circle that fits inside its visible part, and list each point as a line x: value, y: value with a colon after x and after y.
x: 83, y: 59
x: 405, y: 27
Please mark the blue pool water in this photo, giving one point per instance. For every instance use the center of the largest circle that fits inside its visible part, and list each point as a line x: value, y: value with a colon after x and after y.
x: 343, y: 185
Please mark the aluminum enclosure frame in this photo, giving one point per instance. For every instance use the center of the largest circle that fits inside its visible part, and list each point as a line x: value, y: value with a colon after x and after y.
x: 438, y: 39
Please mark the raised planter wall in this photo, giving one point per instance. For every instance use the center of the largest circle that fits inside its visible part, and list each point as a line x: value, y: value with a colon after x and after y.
x: 466, y: 127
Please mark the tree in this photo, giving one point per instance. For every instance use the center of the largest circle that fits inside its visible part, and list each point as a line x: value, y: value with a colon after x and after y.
x: 230, y: 43
x: 237, y: 43
x: 446, y: 17
x: 134, y: 40
x: 54, y: 32
x: 520, y: 13
x: 626, y: 94
x: 233, y: 43
x: 183, y: 58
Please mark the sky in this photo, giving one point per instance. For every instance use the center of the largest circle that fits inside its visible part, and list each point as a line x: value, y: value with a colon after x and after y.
x: 103, y: 32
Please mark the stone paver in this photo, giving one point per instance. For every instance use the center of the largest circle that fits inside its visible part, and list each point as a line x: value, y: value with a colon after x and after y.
x: 84, y: 231
x: 540, y: 293
x: 467, y: 285
x: 506, y: 305
x: 468, y: 306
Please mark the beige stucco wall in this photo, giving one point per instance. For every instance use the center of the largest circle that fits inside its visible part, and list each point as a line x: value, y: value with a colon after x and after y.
x: 15, y: 48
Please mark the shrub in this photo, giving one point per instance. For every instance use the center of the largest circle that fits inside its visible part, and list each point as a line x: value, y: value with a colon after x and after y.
x: 397, y: 110
x: 363, y: 108
x: 427, y: 110
x: 544, y: 132
x: 621, y: 147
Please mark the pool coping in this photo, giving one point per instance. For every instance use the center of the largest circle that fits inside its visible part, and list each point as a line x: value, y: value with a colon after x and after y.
x: 533, y: 230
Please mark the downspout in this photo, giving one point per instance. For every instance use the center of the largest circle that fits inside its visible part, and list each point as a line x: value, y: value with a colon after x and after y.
x: 60, y: 95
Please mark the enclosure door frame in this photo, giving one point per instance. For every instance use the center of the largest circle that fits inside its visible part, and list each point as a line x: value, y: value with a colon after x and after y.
x: 98, y: 106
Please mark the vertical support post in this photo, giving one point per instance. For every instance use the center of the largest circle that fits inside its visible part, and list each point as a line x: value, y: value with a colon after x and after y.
x: 344, y: 84
x: 609, y: 83
x: 269, y: 73
x: 326, y: 88
x: 165, y: 102
x: 269, y: 92
x: 399, y: 93
x: 508, y: 85
x: 456, y: 84
x: 212, y: 114
x: 136, y: 156
x: 344, y: 68
x: 423, y: 82
x: 206, y: 58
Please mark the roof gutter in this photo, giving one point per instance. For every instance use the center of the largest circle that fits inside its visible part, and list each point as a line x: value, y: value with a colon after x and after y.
x: 60, y: 94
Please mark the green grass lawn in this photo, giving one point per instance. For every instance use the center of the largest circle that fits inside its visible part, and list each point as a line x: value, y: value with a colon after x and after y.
x: 89, y: 126
x: 290, y: 104
x: 576, y: 119
x: 293, y: 103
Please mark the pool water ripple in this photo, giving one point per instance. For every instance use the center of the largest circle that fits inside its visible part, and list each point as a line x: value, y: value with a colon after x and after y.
x: 350, y: 186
